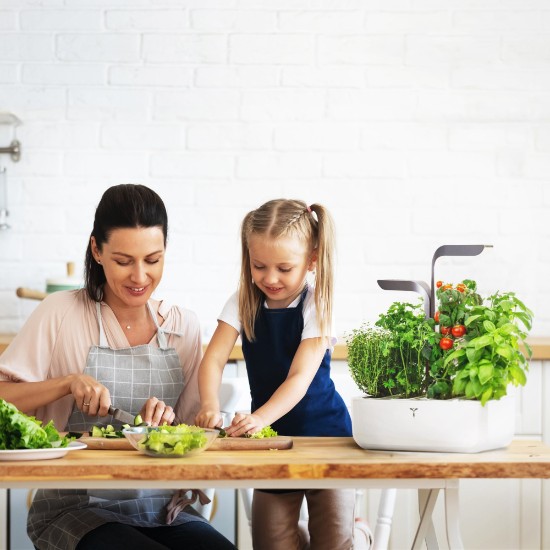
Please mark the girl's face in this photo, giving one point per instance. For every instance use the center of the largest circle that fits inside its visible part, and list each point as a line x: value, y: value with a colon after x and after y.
x: 133, y: 261
x: 279, y: 267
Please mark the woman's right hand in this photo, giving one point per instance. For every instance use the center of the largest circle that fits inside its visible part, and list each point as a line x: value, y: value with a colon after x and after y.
x: 90, y: 396
x: 209, y: 418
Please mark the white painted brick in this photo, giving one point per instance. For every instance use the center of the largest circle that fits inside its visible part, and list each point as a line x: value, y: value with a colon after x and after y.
x: 542, y: 138
x: 488, y: 137
x: 473, y: 106
x: 154, y: 76
x: 537, y: 166
x: 361, y: 50
x: 37, y: 164
x: 34, y: 102
x: 274, y: 166
x: 240, y: 196
x: 373, y: 163
x: 142, y: 137
x: 282, y: 105
x: 238, y: 20
x: 413, y: 22
x: 192, y: 165
x: 8, y: 73
x: 107, y: 104
x: 526, y: 51
x: 8, y: 20
x: 112, y: 168
x: 525, y: 221
x: 397, y: 135
x: 361, y: 105
x: 312, y: 21
x: 500, y: 78
x: 452, y: 50
x: 60, y: 20
x: 261, y: 49
x: 59, y: 135
x: 62, y: 74
x: 146, y: 19
x: 323, y: 77
x: 27, y: 47
x: 453, y: 164
x: 97, y: 47
x: 184, y: 48
x: 236, y: 77
x: 225, y: 137
x: 195, y: 104
x: 316, y: 137
x: 406, y: 77
x: 492, y: 20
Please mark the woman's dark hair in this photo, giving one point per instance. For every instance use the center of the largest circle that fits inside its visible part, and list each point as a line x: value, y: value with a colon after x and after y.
x: 125, y: 205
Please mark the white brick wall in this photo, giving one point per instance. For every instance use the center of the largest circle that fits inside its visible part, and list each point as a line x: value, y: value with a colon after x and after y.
x: 418, y: 123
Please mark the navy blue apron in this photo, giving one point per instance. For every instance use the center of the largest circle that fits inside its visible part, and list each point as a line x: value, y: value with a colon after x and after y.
x: 322, y: 411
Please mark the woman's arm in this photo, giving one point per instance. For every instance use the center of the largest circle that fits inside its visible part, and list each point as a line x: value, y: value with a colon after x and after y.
x: 210, y: 374
x: 305, y: 364
x: 29, y: 396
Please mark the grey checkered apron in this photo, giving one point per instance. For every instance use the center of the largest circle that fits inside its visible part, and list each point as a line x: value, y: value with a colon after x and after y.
x: 59, y: 518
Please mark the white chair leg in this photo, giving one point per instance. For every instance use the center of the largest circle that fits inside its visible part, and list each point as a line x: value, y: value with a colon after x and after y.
x: 246, y: 496
x: 385, y: 518
x: 452, y: 519
x: 425, y: 532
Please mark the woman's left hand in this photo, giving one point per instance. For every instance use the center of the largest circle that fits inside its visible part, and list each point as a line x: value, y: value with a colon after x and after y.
x: 245, y: 424
x: 157, y: 413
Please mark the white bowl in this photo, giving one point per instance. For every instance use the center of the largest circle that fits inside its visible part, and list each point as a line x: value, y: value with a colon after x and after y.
x: 171, y: 443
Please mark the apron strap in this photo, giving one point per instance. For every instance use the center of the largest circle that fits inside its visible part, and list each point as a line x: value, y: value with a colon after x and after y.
x: 102, y: 337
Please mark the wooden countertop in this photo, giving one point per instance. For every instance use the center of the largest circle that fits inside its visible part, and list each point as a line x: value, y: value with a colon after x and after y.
x: 313, y: 461
x: 539, y: 344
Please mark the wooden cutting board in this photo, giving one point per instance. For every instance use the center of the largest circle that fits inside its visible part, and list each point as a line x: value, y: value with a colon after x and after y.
x: 249, y: 444
x: 107, y: 443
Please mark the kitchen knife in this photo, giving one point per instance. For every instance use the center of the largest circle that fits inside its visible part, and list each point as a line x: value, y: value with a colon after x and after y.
x: 123, y: 416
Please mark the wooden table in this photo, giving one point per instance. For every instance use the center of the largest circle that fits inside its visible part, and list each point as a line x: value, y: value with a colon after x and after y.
x: 311, y: 463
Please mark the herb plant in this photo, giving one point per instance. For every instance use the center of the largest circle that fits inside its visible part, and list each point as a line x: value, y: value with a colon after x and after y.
x: 470, y: 349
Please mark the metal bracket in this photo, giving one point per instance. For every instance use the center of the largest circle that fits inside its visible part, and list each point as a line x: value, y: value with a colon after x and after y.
x: 14, y: 150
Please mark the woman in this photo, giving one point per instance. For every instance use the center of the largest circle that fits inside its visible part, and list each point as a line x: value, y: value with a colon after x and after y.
x: 111, y: 344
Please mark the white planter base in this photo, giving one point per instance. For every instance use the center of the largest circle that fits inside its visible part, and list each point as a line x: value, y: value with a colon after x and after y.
x: 455, y: 425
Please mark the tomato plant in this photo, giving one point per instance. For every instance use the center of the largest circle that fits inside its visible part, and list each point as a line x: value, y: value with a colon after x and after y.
x: 436, y: 317
x: 445, y: 330
x: 439, y: 284
x: 445, y: 343
x: 458, y: 331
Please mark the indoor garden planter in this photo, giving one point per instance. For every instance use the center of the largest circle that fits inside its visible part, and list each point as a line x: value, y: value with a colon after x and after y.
x: 437, y: 380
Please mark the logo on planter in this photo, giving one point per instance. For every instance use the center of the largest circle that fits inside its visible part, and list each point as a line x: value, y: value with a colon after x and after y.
x: 413, y: 411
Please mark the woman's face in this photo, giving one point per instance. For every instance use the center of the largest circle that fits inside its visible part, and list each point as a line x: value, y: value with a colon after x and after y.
x: 133, y: 261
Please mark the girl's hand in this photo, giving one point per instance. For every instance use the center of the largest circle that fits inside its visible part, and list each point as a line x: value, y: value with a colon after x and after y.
x: 90, y: 396
x: 208, y: 418
x: 157, y: 413
x: 245, y: 424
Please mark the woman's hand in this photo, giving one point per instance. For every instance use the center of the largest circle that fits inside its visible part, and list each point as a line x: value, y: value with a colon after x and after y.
x: 245, y: 424
x: 157, y: 413
x: 208, y: 418
x: 90, y: 396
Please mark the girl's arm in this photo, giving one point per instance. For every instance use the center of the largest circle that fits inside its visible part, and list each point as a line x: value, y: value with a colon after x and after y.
x: 210, y: 374
x: 302, y: 371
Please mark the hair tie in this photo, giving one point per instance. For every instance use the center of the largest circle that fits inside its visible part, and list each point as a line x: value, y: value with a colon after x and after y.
x: 309, y: 209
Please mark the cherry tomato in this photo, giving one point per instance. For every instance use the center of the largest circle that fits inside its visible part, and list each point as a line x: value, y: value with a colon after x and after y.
x: 445, y: 330
x: 458, y: 331
x: 461, y: 287
x: 436, y: 317
x: 445, y: 343
x: 439, y: 284
x: 447, y: 287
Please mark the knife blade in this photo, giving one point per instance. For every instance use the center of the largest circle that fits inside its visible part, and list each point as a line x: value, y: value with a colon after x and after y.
x: 123, y: 416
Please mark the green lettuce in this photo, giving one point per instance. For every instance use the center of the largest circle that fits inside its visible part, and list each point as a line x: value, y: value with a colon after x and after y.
x: 20, y: 431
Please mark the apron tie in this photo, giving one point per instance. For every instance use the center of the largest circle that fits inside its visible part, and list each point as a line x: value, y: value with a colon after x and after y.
x: 180, y: 501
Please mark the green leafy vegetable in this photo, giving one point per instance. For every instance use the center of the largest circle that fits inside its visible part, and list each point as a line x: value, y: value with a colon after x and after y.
x: 267, y: 431
x: 173, y: 440
x: 20, y: 431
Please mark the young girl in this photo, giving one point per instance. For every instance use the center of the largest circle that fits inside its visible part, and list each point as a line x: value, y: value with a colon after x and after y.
x: 285, y: 325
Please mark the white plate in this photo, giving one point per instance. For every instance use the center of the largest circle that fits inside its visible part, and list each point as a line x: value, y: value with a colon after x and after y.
x: 41, y: 454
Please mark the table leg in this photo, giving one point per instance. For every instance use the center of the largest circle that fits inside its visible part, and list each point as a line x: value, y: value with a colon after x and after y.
x: 452, y: 519
x: 427, y: 499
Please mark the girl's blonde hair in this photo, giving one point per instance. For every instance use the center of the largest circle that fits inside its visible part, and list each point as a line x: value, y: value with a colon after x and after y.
x: 283, y: 218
